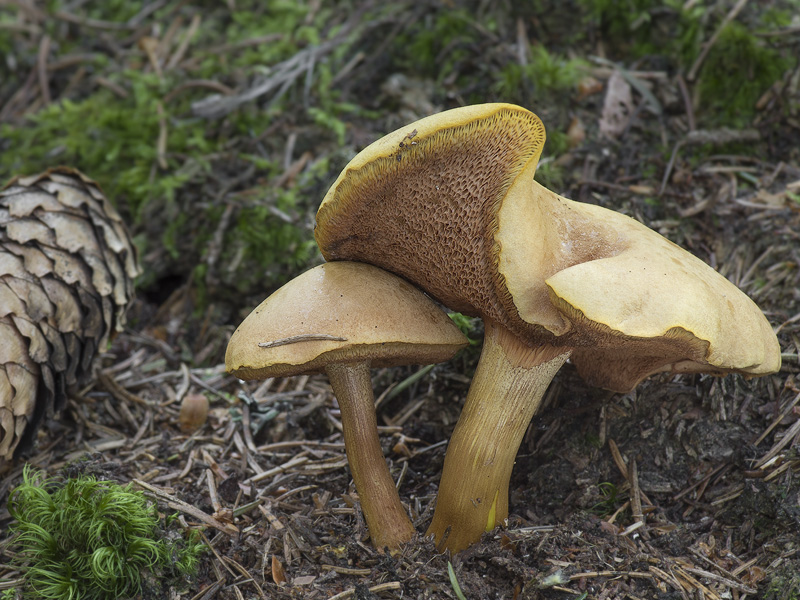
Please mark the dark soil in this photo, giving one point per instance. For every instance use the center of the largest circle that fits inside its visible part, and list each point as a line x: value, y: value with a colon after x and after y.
x: 713, y: 462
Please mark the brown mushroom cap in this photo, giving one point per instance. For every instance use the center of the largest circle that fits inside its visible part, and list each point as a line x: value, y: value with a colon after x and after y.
x: 341, y: 312
x: 420, y: 202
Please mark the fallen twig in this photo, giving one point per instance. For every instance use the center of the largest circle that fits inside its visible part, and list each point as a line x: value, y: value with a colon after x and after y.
x: 175, y: 504
x: 383, y: 587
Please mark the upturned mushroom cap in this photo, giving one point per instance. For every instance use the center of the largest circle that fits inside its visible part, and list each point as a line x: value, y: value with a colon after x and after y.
x: 341, y: 312
x: 628, y: 300
x: 421, y: 202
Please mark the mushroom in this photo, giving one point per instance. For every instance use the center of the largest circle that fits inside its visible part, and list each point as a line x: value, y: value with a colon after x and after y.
x: 450, y: 203
x: 342, y: 319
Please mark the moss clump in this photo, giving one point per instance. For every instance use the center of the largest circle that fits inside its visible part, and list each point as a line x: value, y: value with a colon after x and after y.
x: 110, y: 138
x: 171, y: 172
x: 443, y: 40
x: 784, y: 582
x: 737, y: 71
x: 541, y: 80
x: 646, y: 27
x: 85, y: 539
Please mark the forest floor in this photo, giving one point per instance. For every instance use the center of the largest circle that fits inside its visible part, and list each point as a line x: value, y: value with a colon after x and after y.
x: 713, y: 462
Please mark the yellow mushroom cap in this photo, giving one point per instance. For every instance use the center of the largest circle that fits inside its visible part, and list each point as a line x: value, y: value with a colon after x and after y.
x: 630, y: 301
x: 341, y: 312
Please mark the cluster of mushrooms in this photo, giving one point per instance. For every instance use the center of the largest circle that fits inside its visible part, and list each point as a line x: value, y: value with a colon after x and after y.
x: 448, y: 206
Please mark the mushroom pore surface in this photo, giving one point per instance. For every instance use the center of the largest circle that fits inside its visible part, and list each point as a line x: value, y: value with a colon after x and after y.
x: 451, y: 204
x: 421, y: 202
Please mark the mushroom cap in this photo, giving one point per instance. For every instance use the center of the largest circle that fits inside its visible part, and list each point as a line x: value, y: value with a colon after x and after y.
x: 420, y: 202
x: 631, y: 302
x: 341, y: 312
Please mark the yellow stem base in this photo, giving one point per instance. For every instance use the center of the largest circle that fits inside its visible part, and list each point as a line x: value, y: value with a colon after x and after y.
x: 504, y: 395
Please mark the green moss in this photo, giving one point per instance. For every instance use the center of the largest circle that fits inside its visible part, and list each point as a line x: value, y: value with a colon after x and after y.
x: 471, y: 327
x: 112, y: 139
x: 594, y: 441
x: 619, y: 20
x: 85, y: 539
x: 777, y: 17
x: 737, y: 71
x: 784, y: 582
x: 116, y: 11
x: 441, y: 41
x: 550, y: 175
x: 646, y: 27
x: 609, y: 499
x: 545, y: 77
x: 166, y: 197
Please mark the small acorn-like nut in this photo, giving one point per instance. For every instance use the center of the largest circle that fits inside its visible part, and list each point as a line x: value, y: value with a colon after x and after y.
x: 67, y: 265
x: 194, y: 412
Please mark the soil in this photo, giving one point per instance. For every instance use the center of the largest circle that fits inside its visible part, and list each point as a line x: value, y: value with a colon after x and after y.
x: 713, y: 462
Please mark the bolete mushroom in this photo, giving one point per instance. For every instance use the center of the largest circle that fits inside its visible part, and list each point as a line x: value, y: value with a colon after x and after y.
x: 450, y: 203
x: 342, y: 319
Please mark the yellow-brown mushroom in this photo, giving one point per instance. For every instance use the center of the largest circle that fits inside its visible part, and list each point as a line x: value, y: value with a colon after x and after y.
x: 342, y: 319
x: 450, y: 203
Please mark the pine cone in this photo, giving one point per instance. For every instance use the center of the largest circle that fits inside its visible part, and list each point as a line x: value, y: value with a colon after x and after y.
x: 67, y: 265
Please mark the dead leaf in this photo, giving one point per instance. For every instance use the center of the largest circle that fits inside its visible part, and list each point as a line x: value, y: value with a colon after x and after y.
x: 278, y: 574
x: 773, y: 200
x: 643, y: 190
x: 576, y: 133
x: 589, y: 86
x: 617, y: 107
x: 753, y: 575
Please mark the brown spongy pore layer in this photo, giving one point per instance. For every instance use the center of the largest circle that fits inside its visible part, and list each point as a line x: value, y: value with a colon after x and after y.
x: 425, y: 207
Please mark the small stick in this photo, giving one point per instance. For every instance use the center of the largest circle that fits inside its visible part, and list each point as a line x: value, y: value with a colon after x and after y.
x: 298, y: 460
x: 687, y: 102
x: 719, y: 579
x: 784, y: 413
x: 636, y: 498
x: 212, y: 492
x: 623, y: 468
x: 303, y: 337
x: 382, y: 587
x: 161, y: 144
x: 611, y: 574
x: 175, y: 504
x: 184, y: 45
x: 787, y: 439
x: 347, y: 570
x: 41, y: 65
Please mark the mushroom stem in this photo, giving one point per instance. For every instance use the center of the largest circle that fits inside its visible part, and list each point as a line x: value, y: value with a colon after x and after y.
x: 388, y: 523
x: 506, y: 390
